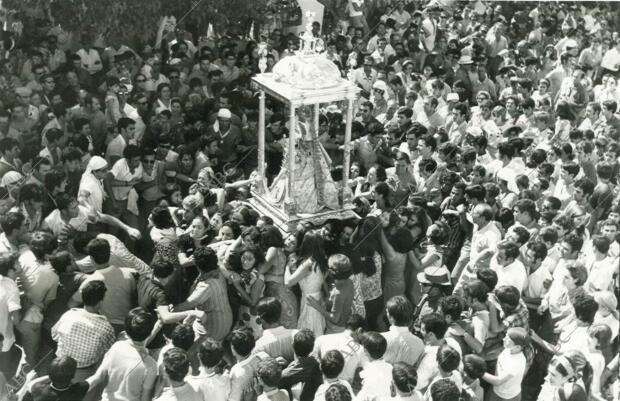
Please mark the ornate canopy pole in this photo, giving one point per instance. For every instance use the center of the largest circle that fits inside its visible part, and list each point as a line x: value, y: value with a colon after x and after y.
x: 346, y: 192
x: 290, y: 206
x: 261, y: 140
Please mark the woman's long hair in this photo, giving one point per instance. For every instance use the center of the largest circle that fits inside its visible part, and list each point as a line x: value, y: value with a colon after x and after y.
x: 313, y: 247
x: 270, y: 236
x: 366, y: 243
x: 162, y: 218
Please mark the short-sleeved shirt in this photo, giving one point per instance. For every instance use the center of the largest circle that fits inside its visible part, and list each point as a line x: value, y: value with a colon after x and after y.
x: 119, y: 256
x: 121, y: 172
x: 211, y: 296
x: 115, y: 148
x: 127, y: 366
x: 9, y: 302
x: 184, y: 392
x: 55, y: 222
x: 40, y: 284
x: 121, y: 287
x: 84, y: 336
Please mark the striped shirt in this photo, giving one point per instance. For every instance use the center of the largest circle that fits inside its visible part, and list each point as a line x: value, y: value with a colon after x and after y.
x: 211, y: 296
x: 277, y: 342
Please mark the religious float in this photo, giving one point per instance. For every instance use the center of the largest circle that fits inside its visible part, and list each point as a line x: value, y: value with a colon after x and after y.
x: 304, y: 189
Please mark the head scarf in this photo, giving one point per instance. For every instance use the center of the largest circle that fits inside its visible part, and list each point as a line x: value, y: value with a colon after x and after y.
x: 92, y: 185
x: 11, y: 178
x: 96, y: 163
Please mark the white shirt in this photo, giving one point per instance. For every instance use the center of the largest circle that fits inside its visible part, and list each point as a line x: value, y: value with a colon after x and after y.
x: 213, y: 387
x: 277, y: 342
x: 346, y: 345
x: 55, y: 222
x: 320, y: 392
x: 9, y: 302
x: 376, y: 380
x: 484, y: 238
x: 611, y: 59
x: 600, y: 275
x: 428, y: 367
x: 534, y: 287
x: 127, y: 368
x: 402, y: 346
x: 514, y: 364
x: 184, y: 392
x: 121, y: 172
x: 514, y: 274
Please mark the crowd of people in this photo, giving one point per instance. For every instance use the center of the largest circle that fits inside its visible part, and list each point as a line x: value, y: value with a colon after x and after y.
x: 482, y: 265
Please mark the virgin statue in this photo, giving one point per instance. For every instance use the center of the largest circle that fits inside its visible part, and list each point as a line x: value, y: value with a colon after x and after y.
x: 313, y: 188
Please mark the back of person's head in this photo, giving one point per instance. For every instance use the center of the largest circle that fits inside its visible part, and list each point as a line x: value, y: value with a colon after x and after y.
x: 477, y: 290
x: 374, y: 343
x: 435, y: 323
x: 400, y: 309
x: 53, y: 179
x: 339, y: 266
x: 488, y: 277
x: 99, y: 251
x: 31, y: 192
x: 242, y: 341
x: 42, y: 244
x: 452, y: 306
x: 139, y: 324
x: 303, y: 342
x: 7, y: 263
x: 355, y: 322
x: 574, y: 240
x: 601, y: 243
x: 269, y: 309
x: 12, y: 221
x: 604, y: 170
x: 93, y: 292
x: 332, y: 364
x: 585, y: 308
x: 548, y: 234
x: 445, y: 390
x: 176, y: 364
x: 60, y: 261
x: 162, y: 268
x: 404, y: 377
x: 448, y: 358
x: 508, y: 294
x: 61, y: 371
x: 337, y: 392
x: 206, y: 259
x: 210, y: 353
x: 474, y: 366
x: 270, y: 372
x: 182, y: 336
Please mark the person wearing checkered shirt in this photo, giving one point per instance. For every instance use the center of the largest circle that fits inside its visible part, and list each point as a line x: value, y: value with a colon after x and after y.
x: 83, y: 333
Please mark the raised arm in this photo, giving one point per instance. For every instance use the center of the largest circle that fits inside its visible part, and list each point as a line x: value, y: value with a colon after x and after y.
x: 290, y: 279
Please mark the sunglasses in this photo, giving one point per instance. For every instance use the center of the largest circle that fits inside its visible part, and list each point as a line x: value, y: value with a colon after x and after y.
x: 140, y: 80
x: 174, y: 77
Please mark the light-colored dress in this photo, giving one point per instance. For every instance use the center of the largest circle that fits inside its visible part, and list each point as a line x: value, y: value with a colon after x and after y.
x: 310, y: 318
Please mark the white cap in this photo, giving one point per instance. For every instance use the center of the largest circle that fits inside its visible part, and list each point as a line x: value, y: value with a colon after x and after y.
x: 224, y: 113
x: 452, y: 97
